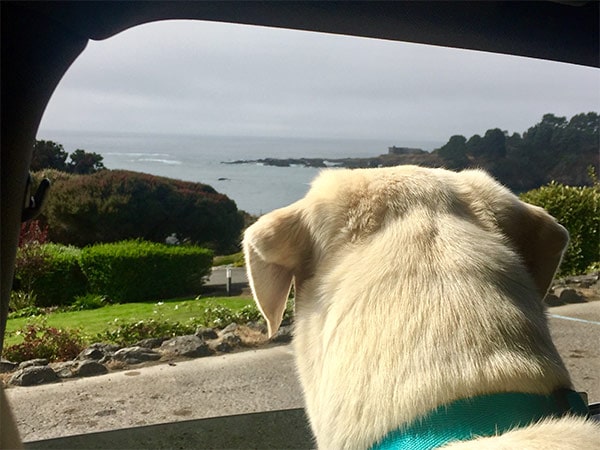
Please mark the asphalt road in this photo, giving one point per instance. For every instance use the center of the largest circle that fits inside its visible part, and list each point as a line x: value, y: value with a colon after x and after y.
x: 218, y: 276
x: 249, y: 381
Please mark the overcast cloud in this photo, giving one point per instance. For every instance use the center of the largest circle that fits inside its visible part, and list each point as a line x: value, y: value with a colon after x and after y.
x: 222, y: 79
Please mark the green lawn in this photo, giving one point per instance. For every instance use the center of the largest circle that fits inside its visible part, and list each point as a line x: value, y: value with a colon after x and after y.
x: 92, y: 322
x: 236, y: 260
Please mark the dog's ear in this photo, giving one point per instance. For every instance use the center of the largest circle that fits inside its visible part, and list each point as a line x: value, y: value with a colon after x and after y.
x: 273, y: 248
x: 538, y: 237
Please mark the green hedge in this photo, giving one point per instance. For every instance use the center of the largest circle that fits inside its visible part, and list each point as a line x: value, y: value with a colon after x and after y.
x: 134, y: 271
x: 578, y: 210
x: 117, y: 205
x: 57, y: 278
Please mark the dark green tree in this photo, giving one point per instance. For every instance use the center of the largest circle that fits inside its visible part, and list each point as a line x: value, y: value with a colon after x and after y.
x: 493, y: 145
x: 587, y: 123
x: 475, y: 146
x: 48, y: 155
x: 83, y: 162
x: 454, y: 152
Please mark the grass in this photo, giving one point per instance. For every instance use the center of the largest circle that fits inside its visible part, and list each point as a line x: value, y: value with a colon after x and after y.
x: 235, y: 260
x: 93, y: 322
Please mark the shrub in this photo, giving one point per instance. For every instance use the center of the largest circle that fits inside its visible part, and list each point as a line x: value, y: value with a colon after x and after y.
x: 218, y: 316
x: 28, y: 311
x: 61, y: 279
x: 41, y: 341
x: 115, y: 205
x: 20, y: 300
x: 133, y: 271
x: 248, y: 313
x: 88, y: 301
x: 578, y: 210
x: 129, y: 333
x: 49, y: 273
x: 30, y: 262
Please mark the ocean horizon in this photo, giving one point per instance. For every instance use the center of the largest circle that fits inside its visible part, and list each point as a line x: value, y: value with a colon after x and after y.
x: 256, y: 189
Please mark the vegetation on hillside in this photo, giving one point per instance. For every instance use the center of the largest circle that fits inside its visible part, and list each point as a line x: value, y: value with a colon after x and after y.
x: 50, y: 155
x: 556, y: 149
x: 115, y: 205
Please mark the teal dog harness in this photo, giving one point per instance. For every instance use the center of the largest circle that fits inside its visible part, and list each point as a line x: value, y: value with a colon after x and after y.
x: 485, y: 415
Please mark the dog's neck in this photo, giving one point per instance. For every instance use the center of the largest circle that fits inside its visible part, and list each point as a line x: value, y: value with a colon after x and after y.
x: 485, y: 415
x: 422, y: 336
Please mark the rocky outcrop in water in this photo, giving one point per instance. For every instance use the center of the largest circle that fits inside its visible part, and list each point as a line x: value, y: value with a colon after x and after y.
x: 387, y: 160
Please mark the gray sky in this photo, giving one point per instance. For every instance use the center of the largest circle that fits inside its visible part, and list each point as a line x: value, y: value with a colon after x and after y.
x: 222, y: 79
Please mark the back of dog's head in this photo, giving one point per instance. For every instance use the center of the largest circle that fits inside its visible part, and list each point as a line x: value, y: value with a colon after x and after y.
x: 394, y: 214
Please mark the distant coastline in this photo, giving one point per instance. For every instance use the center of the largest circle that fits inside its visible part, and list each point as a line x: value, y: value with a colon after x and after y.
x: 395, y: 156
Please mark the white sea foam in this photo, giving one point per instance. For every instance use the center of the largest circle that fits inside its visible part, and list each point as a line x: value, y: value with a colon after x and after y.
x: 162, y: 161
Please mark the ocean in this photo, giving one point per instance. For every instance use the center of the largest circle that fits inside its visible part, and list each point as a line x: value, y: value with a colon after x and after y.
x: 255, y: 188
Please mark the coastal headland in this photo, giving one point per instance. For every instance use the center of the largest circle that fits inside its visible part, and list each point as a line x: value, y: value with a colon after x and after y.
x: 396, y: 156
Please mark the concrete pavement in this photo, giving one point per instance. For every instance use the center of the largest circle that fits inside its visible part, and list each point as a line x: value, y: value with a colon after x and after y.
x: 238, y: 383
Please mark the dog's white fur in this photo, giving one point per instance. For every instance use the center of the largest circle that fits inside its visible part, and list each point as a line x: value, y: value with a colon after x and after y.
x: 414, y: 287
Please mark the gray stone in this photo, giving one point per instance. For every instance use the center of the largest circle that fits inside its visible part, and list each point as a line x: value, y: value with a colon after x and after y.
x: 33, y: 362
x: 582, y: 280
x: 98, y: 352
x: 222, y: 347
x: 190, y: 346
x: 569, y: 295
x: 284, y: 334
x: 258, y: 326
x: 33, y: 375
x: 93, y: 353
x: 151, y: 342
x: 7, y: 366
x: 552, y: 300
x: 229, y: 328
x: 587, y: 281
x: 228, y: 342
x: 89, y: 368
x: 64, y: 369
x: 231, y: 338
x: 206, y: 333
x: 135, y: 355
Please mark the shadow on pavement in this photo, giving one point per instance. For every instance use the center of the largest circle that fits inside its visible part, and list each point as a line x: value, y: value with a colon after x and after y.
x: 266, y: 430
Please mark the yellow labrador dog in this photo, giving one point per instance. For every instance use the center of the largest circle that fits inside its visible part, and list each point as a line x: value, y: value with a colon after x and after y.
x: 419, y: 316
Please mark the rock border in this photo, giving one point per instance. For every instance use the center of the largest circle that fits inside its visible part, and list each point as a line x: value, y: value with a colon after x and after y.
x: 576, y: 289
x: 100, y: 358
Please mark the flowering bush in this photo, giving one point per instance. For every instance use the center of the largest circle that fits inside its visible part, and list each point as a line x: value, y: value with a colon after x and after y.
x: 42, y: 341
x: 31, y: 260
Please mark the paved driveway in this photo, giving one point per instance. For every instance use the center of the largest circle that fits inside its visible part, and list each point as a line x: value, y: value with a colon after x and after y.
x: 245, y: 382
